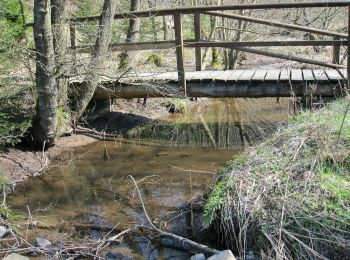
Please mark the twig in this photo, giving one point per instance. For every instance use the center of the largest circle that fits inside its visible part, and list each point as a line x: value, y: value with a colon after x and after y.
x: 118, y: 236
x: 184, y: 170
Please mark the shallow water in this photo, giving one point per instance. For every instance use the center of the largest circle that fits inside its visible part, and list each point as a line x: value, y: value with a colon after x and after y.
x: 172, y: 161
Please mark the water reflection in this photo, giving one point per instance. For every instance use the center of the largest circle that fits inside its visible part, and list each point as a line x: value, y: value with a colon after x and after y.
x: 222, y: 124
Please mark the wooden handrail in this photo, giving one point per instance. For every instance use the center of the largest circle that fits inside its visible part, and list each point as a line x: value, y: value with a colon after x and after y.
x: 191, y: 10
x: 134, y: 46
x: 278, y: 24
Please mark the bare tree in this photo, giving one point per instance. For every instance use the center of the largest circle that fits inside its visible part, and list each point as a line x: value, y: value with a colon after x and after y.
x: 60, y: 27
x: 128, y: 59
x: 44, y: 125
x: 100, y: 52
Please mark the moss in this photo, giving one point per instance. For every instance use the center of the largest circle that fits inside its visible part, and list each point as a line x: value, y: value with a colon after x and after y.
x: 155, y: 58
x: 176, y: 105
x: 123, y: 61
x: 63, y: 119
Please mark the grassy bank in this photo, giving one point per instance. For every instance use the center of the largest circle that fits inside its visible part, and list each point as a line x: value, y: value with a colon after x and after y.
x: 289, y: 197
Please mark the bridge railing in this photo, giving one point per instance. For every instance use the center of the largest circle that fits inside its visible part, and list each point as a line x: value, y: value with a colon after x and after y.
x: 338, y: 39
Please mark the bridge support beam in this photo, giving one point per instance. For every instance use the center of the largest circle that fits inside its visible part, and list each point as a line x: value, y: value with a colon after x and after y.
x: 197, y: 38
x: 217, y: 89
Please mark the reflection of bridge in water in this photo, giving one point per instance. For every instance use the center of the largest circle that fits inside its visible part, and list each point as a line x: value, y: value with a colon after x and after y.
x: 224, y: 124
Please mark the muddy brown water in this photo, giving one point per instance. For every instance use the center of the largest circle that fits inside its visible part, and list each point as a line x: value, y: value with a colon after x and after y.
x: 173, y: 160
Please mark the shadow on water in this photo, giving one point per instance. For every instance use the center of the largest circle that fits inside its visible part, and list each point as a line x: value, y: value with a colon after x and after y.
x: 116, y: 122
x: 83, y: 188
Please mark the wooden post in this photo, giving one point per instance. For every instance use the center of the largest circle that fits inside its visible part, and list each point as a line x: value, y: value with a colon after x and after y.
x: 73, y: 35
x: 197, y: 38
x: 180, y: 52
x: 336, y: 51
x: 73, y: 43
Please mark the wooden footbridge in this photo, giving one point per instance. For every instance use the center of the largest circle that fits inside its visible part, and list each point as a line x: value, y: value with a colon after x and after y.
x: 229, y: 83
x: 333, y: 80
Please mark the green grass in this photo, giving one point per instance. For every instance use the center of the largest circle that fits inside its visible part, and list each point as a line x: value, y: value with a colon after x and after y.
x: 294, y: 188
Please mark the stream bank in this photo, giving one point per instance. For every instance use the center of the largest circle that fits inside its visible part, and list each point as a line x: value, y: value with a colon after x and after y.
x: 288, y: 197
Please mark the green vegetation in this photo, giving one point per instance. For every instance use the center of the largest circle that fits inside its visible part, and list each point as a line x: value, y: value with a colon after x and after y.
x: 11, y: 29
x: 292, y: 192
x: 16, y: 101
x: 155, y: 58
x: 17, y: 108
x: 5, y: 211
x: 176, y: 105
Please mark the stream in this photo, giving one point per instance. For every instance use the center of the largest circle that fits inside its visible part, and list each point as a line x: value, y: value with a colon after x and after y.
x: 173, y: 159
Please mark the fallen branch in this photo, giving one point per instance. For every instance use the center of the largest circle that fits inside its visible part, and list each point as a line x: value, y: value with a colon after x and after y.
x: 196, y: 246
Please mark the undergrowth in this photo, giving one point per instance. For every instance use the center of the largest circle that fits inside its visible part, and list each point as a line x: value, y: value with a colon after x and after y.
x: 289, y: 196
x: 17, y: 108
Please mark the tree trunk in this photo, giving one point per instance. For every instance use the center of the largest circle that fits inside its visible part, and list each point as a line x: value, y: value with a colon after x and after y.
x: 100, y: 53
x: 128, y: 59
x: 233, y: 54
x: 166, y: 31
x: 215, y: 63
x: 60, y: 30
x: 44, y: 125
x: 153, y: 20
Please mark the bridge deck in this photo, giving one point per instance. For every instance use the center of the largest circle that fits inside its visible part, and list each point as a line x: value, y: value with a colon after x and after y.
x: 229, y: 83
x: 246, y: 76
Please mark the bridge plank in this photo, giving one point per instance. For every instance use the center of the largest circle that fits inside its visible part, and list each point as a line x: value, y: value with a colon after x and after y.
x: 333, y: 75
x: 224, y: 76
x: 142, y: 77
x: 259, y: 75
x: 198, y: 75
x: 167, y: 76
x: 190, y: 75
x: 344, y: 73
x: 285, y: 75
x: 235, y: 74
x: 296, y: 75
x: 320, y: 75
x: 217, y: 74
x: 272, y: 75
x: 206, y: 75
x: 308, y: 75
x: 247, y: 75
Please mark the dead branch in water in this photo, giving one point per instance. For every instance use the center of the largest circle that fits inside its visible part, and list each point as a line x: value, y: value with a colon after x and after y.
x: 196, y: 246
